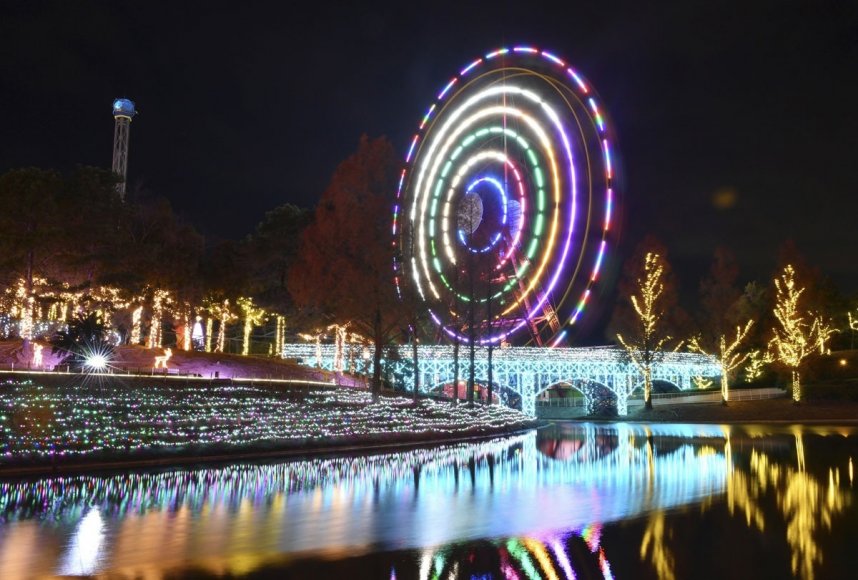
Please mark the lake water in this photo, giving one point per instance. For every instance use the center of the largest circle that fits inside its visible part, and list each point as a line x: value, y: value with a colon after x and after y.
x: 574, y: 500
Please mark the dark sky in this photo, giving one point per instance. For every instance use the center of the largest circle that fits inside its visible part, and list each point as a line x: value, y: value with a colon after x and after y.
x: 247, y: 105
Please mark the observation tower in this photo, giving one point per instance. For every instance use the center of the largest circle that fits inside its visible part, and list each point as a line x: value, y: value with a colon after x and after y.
x: 123, y: 111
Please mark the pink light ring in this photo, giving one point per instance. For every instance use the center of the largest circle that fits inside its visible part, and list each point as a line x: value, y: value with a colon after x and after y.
x: 553, y: 58
x: 580, y: 307
x: 470, y: 162
x: 427, y: 116
x: 560, y: 336
x: 505, y: 160
x: 542, y: 139
x: 502, y: 335
x: 599, y: 121
x: 498, y: 52
x: 432, y: 145
x: 573, y: 213
x: 584, y: 89
x: 447, y: 88
x: 522, y: 200
x: 411, y: 149
x: 415, y: 276
x: 401, y: 183
x: 446, y: 143
x: 527, y: 49
x: 468, y: 68
x: 577, y: 80
x: 598, y: 260
x: 608, y: 209
x: 607, y: 152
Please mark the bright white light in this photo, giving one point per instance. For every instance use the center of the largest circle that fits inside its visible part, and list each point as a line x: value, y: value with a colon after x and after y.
x: 96, y: 362
x: 83, y: 555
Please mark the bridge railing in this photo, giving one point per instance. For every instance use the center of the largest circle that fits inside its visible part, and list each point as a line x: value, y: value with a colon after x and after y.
x: 710, y: 396
x: 562, y: 402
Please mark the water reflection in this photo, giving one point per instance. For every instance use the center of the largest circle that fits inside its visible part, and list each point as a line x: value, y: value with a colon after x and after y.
x: 538, y: 505
x: 82, y: 554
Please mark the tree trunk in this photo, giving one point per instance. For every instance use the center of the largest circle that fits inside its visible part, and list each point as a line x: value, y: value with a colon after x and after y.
x: 416, y: 362
x: 490, y: 374
x: 648, y: 388
x: 376, y: 357
x: 725, y: 393
x: 489, y: 333
x: 796, y: 387
x: 456, y: 371
x: 471, y: 332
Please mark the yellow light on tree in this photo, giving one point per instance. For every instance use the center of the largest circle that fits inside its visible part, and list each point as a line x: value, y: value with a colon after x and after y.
x: 136, y: 332
x: 823, y: 330
x: 253, y: 316
x: 209, y: 331
x: 645, y: 350
x: 795, y: 336
x: 853, y: 326
x: 757, y: 360
x: 280, y: 335
x: 728, y: 356
x: 223, y: 312
x: 160, y: 300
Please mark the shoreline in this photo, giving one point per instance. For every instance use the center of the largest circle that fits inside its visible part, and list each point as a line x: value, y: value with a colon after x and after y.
x: 187, y: 458
x: 766, y: 412
x: 774, y: 411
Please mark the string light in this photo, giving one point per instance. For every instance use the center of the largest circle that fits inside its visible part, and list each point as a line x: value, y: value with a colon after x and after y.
x: 729, y: 358
x: 527, y: 133
x: 524, y: 371
x: 648, y: 347
x: 794, y: 338
x: 253, y: 316
x: 86, y: 419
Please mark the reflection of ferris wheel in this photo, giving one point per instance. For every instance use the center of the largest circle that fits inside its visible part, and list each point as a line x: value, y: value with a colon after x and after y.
x: 505, y: 205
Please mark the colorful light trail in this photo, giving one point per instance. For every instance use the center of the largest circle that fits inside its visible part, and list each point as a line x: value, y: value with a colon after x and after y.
x: 525, y: 133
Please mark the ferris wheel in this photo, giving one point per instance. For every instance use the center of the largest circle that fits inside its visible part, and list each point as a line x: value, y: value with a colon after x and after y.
x: 506, y: 205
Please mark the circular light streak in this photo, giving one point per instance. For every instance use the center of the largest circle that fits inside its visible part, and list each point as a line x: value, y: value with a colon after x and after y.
x: 506, y: 200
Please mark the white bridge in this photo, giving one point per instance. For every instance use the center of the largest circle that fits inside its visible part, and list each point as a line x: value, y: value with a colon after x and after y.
x: 522, y: 371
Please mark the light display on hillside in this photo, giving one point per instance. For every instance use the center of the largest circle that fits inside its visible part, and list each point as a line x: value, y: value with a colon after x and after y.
x: 505, y: 208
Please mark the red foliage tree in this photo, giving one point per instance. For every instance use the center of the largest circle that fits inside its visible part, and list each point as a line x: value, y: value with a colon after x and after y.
x: 344, y: 267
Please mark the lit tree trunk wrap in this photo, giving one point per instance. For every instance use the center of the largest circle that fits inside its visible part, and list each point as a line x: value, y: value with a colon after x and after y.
x: 648, y: 387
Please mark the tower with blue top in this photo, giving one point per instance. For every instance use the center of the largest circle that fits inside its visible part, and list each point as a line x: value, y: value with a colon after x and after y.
x: 123, y: 112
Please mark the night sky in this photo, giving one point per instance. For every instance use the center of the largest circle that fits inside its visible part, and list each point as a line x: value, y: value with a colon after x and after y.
x: 736, y: 121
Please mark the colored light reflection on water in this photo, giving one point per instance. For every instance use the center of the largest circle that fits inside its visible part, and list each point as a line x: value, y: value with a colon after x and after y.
x: 577, y: 500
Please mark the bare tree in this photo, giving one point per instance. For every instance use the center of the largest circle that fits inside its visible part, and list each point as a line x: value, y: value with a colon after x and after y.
x: 798, y: 332
x: 647, y: 344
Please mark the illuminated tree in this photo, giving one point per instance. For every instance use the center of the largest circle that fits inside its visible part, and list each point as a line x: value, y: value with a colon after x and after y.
x: 30, y: 234
x: 798, y: 332
x: 728, y: 356
x: 220, y: 310
x: 161, y: 301
x: 345, y: 264
x: 252, y: 316
x: 647, y: 344
x: 853, y: 326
